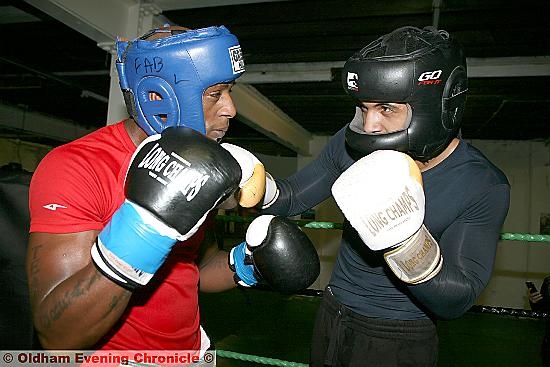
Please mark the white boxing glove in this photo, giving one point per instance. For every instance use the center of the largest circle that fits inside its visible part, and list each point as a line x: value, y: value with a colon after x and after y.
x: 382, y: 197
x: 252, y: 185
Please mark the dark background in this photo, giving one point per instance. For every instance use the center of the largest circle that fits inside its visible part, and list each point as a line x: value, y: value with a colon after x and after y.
x: 45, y: 65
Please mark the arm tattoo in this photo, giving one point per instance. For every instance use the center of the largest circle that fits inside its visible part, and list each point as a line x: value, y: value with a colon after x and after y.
x: 57, y: 310
x: 34, y: 270
x: 63, y: 303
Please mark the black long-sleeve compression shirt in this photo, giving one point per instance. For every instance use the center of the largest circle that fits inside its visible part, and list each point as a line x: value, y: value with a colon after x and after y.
x: 467, y: 200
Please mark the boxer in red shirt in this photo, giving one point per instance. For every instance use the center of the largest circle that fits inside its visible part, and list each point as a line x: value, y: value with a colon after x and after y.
x: 118, y: 217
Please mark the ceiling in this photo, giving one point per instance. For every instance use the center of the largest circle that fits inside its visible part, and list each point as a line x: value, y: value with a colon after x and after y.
x: 51, y: 68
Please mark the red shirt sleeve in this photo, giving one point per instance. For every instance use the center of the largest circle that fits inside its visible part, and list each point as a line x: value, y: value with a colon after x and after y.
x: 68, y: 194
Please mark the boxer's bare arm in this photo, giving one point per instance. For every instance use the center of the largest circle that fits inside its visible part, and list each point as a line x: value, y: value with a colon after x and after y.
x: 73, y: 304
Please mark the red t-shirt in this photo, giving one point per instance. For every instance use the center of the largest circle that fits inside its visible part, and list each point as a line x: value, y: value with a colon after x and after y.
x: 77, y: 187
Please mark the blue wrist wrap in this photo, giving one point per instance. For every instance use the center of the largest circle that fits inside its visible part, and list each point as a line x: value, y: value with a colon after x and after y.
x: 138, y: 244
x: 243, y: 270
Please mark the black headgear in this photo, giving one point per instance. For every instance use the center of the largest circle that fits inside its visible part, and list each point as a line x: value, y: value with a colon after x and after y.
x: 422, y: 67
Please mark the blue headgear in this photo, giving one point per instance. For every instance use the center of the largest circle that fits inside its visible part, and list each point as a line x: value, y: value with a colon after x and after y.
x: 179, y: 68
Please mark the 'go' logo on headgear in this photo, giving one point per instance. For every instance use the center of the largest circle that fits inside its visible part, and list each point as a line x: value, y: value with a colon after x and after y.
x: 430, y: 77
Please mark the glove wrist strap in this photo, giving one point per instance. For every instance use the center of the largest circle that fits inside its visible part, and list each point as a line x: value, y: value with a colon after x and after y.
x: 417, y: 259
x: 131, y: 247
x: 240, y: 264
x: 110, y: 271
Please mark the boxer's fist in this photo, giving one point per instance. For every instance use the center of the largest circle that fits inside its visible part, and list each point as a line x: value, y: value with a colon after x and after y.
x: 382, y: 197
x: 173, y: 181
x: 277, y: 252
x: 253, y: 176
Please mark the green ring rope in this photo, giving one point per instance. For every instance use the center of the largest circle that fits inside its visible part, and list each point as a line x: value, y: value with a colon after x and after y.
x: 525, y: 237
x: 256, y: 359
x: 330, y: 225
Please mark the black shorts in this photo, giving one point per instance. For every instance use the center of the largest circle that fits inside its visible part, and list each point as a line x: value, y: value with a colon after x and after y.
x: 343, y: 338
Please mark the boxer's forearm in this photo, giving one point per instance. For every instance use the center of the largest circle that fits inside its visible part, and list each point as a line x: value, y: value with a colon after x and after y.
x: 72, y: 304
x: 215, y: 274
x: 79, y: 311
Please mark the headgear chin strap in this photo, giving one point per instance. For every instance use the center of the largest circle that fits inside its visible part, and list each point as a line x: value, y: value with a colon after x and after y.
x: 424, y: 68
x: 178, y: 68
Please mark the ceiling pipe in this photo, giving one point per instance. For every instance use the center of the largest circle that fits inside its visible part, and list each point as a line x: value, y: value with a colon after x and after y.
x: 436, y: 9
x: 84, y: 92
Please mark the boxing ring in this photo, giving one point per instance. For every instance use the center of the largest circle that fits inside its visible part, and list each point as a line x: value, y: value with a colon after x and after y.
x: 258, y: 327
x: 255, y: 327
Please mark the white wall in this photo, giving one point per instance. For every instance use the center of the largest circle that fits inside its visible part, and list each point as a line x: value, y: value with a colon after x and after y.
x: 527, y: 166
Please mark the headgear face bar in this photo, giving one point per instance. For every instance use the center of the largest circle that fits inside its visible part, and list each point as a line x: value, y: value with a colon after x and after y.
x: 424, y: 68
x: 178, y: 68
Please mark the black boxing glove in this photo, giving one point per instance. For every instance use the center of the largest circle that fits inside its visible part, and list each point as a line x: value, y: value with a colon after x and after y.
x: 278, y: 252
x: 173, y: 181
